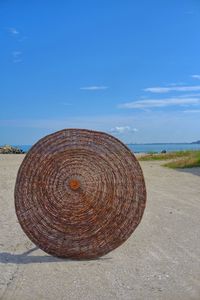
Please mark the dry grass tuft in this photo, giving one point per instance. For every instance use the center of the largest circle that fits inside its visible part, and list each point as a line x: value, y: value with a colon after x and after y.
x: 180, y: 159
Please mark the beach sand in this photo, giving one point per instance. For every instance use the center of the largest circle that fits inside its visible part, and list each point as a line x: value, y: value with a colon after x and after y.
x: 161, y: 260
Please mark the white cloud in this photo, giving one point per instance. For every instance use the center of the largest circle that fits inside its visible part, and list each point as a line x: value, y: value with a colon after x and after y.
x: 16, y: 53
x: 17, y: 56
x: 16, y: 34
x: 17, y: 61
x: 176, y: 84
x: 162, y: 90
x: 123, y: 129
x: 90, y: 122
x: 66, y: 103
x: 94, y: 88
x: 13, y: 31
x: 189, y: 12
x: 21, y: 39
x: 142, y: 104
x: 192, y: 111
x: 173, y: 126
x: 196, y: 76
x: 195, y: 95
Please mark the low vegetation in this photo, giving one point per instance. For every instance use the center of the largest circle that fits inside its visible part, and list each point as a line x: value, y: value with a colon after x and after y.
x: 178, y: 159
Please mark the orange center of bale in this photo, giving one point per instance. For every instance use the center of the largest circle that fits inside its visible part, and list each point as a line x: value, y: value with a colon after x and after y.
x: 74, y: 184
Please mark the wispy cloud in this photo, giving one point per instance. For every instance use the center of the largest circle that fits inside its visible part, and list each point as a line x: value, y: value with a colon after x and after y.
x: 94, y: 88
x: 151, y: 103
x: 189, y: 95
x: 176, y: 83
x: 123, y: 129
x: 196, y: 76
x: 17, y: 56
x: 103, y: 122
x: 152, y: 127
x: 193, y: 111
x: 13, y: 31
x: 162, y: 90
x: 16, y: 53
x: 16, y: 34
x: 189, y: 12
x: 66, y: 103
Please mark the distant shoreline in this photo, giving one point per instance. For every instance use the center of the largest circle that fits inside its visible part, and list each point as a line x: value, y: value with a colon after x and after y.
x: 192, y: 143
x: 164, y: 143
x: 146, y: 147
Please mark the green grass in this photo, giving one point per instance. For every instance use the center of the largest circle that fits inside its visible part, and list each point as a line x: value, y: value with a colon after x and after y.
x: 178, y: 159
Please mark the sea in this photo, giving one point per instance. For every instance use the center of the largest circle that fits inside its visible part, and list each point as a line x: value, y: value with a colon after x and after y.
x: 146, y: 148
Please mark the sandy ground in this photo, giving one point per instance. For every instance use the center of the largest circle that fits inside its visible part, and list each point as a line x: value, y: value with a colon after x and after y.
x: 161, y: 260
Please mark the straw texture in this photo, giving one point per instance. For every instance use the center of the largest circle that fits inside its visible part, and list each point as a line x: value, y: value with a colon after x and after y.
x: 79, y: 193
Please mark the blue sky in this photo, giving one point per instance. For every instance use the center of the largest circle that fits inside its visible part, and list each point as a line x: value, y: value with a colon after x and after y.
x: 130, y: 68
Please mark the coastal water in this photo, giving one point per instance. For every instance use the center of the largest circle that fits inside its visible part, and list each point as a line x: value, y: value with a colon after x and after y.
x: 138, y: 148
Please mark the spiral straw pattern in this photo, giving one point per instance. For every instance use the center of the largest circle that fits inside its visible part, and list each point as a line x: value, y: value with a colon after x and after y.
x: 79, y: 193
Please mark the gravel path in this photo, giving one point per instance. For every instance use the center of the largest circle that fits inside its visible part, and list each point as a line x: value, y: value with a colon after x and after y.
x: 161, y: 260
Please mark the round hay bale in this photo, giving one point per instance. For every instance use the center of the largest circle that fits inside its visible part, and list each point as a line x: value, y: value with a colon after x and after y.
x: 79, y: 193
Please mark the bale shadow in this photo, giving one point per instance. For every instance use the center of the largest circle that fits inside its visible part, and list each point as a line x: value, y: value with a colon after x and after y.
x: 25, y: 258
